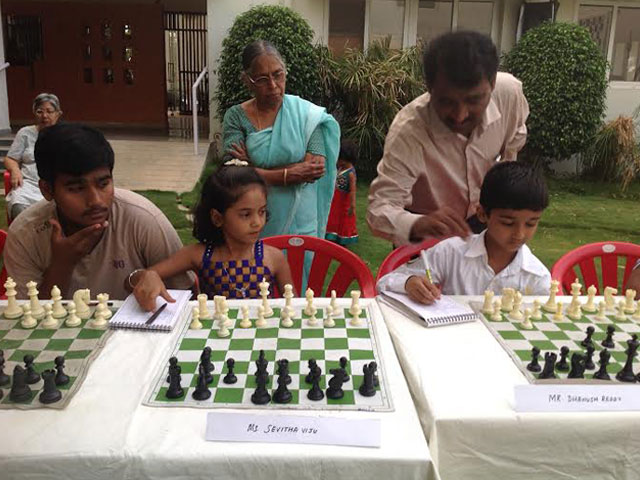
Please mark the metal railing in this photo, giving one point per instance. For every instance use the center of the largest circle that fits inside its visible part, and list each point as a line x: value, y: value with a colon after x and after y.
x: 194, y: 108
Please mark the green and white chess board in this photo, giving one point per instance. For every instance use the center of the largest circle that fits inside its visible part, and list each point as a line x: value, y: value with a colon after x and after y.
x: 297, y: 344
x: 78, y: 345
x: 550, y: 335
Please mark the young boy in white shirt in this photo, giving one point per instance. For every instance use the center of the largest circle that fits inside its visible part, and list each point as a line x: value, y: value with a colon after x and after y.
x: 512, y: 199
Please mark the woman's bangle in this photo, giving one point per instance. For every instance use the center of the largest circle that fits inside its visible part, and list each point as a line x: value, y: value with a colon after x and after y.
x: 284, y: 177
x: 137, y: 270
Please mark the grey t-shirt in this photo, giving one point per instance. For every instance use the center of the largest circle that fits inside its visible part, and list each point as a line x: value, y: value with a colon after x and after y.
x: 138, y: 236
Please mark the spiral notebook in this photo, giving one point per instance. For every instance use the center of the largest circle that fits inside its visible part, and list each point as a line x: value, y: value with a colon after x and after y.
x: 130, y: 315
x: 444, y: 311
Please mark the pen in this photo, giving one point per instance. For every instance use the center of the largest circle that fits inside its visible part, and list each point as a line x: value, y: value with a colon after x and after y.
x: 156, y: 314
x: 423, y: 254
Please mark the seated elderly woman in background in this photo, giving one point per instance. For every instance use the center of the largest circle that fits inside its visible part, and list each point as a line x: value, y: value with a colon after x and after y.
x: 20, y: 162
x: 293, y: 144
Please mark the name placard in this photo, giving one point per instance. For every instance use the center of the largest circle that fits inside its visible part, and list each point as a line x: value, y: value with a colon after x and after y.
x: 576, y: 398
x: 240, y: 427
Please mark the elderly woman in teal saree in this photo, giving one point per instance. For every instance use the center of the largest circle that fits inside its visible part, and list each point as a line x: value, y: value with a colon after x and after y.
x: 292, y: 143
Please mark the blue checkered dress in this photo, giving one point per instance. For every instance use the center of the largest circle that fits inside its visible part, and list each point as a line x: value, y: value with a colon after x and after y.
x: 233, y: 279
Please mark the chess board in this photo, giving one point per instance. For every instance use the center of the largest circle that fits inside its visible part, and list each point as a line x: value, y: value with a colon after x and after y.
x: 78, y: 345
x: 297, y: 344
x: 549, y: 336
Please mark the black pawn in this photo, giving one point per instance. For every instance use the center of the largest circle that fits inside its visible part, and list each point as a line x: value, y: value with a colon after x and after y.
x: 4, y: 378
x: 562, y: 364
x: 230, y: 376
x: 316, y: 392
x: 343, y: 366
x: 588, y: 358
x: 335, y: 391
x: 312, y: 365
x: 282, y: 393
x: 608, y: 341
x: 261, y: 396
x: 602, y: 374
x: 587, y: 340
x: 175, y: 389
x: 367, y: 389
x: 577, y: 366
x: 50, y: 393
x: 61, y: 377
x: 549, y: 365
x: 283, y: 369
x: 534, y: 365
x: 20, y: 390
x: 202, y: 391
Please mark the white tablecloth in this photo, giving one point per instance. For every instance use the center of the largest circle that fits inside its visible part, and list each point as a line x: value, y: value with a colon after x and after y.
x: 462, y: 382
x: 105, y: 432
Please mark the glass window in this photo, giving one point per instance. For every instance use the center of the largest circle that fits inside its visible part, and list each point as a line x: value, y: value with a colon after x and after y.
x: 346, y: 24
x: 477, y: 16
x: 597, y: 19
x: 434, y: 18
x: 625, y: 63
x: 386, y: 20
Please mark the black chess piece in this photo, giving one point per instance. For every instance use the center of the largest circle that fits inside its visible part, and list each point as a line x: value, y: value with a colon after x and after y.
x: 202, y: 391
x: 261, y: 364
x: 283, y: 368
x: 312, y: 364
x: 205, y: 361
x: 562, y: 364
x: 608, y: 341
x: 602, y: 374
x: 588, y: 358
x: 316, y: 392
x: 4, y: 378
x: 230, y: 377
x: 577, y: 366
x: 343, y: 366
x: 61, y: 377
x: 335, y: 391
x: 175, y: 389
x: 50, y: 393
x: 587, y: 340
x: 534, y: 365
x: 549, y: 366
x: 626, y: 374
x: 367, y: 389
x: 20, y: 391
x: 374, y: 368
x: 261, y: 395
x: 282, y: 393
x: 32, y: 375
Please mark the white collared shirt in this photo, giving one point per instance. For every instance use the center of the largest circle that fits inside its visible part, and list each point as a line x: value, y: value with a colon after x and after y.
x: 461, y: 267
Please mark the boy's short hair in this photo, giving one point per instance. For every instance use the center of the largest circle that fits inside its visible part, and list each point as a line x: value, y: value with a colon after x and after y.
x: 514, y: 185
x: 348, y: 151
x: 71, y: 148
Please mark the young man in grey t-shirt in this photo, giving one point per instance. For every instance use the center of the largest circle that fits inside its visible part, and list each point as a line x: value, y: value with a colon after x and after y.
x: 86, y: 233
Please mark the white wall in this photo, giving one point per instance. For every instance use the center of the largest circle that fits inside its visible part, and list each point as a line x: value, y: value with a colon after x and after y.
x: 4, y: 99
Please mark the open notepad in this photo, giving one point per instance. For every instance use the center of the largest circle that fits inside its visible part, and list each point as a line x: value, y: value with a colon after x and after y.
x: 130, y: 315
x: 444, y: 311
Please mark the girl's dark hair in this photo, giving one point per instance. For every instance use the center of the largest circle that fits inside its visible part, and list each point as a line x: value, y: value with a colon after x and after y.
x: 349, y: 151
x: 257, y: 48
x: 220, y: 191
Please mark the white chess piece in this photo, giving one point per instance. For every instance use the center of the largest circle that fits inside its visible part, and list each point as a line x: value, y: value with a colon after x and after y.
x: 286, y: 318
x: 49, y: 322
x: 600, y: 316
x: 27, y: 319
x: 246, y: 321
x: 551, y: 306
x: 204, y: 312
x: 58, y: 309
x: 487, y: 306
x: 526, y: 323
x: 223, y: 331
x: 630, y: 305
x: 309, y: 309
x: 224, y: 312
x: 516, y: 312
x: 558, y: 316
x: 13, y: 310
x: 98, y: 319
x: 37, y: 311
x: 328, y: 320
x: 590, y: 306
x: 609, y: 301
x: 264, y: 294
x: 507, y: 299
x: 261, y: 322
x: 216, y: 307
x: 195, y: 324
x: 81, y: 298
x: 620, y: 315
x: 636, y: 314
x: 334, y: 303
x: 496, y: 316
x: 536, y: 313
x: 355, y: 309
x: 103, y: 307
x: 73, y: 320
x: 576, y: 288
x: 288, y: 297
x: 574, y: 311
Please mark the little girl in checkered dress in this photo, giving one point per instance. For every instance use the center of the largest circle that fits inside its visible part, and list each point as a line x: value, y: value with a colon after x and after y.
x: 229, y: 259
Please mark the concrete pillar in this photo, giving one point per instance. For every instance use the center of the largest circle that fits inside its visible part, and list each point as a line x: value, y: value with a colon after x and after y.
x: 4, y: 97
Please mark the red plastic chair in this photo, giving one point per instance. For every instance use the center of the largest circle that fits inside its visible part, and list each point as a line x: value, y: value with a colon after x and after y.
x: 402, y: 255
x: 614, y: 256
x: 7, y: 189
x: 3, y: 272
x: 350, y: 268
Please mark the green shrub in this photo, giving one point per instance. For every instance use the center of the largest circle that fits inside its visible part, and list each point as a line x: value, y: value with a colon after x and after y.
x: 564, y: 77
x: 365, y: 90
x: 291, y: 35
